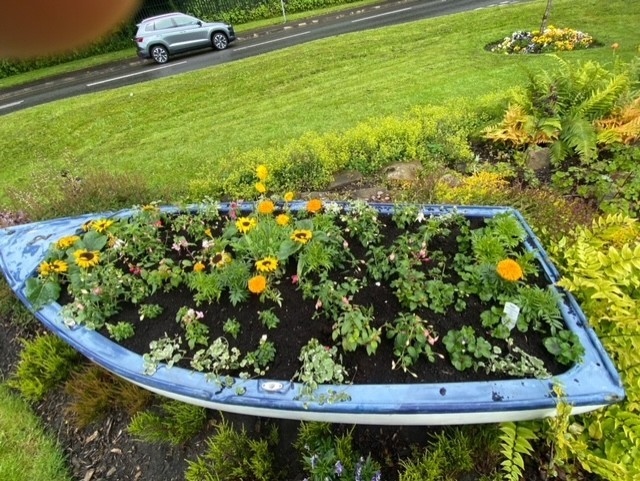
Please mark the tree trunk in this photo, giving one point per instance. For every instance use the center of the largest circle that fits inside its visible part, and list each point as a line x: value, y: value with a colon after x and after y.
x: 545, y: 17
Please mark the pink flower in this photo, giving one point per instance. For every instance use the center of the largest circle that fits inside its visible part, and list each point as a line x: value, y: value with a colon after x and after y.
x: 295, y: 279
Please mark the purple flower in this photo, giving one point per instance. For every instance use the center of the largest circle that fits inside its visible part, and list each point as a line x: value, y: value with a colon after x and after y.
x: 314, y: 461
x: 359, y: 470
x: 377, y: 476
x: 338, y: 468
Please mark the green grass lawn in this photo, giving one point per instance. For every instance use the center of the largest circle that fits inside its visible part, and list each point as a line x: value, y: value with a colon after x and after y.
x: 172, y: 129
x: 26, y: 453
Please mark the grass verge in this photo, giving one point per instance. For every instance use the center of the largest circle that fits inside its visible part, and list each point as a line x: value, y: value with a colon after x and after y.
x: 26, y: 452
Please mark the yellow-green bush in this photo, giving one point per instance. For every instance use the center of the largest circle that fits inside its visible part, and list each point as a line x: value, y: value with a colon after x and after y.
x: 434, y: 135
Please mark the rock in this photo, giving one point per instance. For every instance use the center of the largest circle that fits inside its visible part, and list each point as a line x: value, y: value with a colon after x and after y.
x: 538, y: 158
x: 403, y: 171
x: 345, y: 178
x: 374, y: 194
x: 450, y: 180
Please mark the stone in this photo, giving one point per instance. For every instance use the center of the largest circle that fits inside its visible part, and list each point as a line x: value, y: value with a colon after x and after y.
x: 345, y: 178
x: 450, y: 180
x: 538, y: 158
x: 403, y: 171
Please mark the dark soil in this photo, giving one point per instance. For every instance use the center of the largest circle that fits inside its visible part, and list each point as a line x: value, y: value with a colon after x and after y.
x: 298, y: 324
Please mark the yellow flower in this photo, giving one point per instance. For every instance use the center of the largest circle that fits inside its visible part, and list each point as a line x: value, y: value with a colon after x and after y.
x: 283, y: 219
x: 257, y: 284
x: 509, y: 270
x: 245, y: 224
x: 101, y: 225
x: 45, y: 269
x: 266, y: 207
x: 59, y: 266
x: 268, y: 264
x: 262, y: 172
x: 66, y: 242
x: 288, y: 197
x: 314, y: 205
x: 208, y: 233
x: 260, y: 187
x: 86, y: 259
x: 219, y: 259
x: 302, y: 236
x: 198, y: 267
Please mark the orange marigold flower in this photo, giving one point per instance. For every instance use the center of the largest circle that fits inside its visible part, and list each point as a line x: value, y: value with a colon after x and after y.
x: 509, y: 270
x: 282, y: 219
x: 314, y: 205
x: 266, y: 207
x: 257, y: 284
x: 198, y: 267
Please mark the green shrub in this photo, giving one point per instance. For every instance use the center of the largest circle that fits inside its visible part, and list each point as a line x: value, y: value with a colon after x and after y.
x: 94, y: 391
x: 44, y: 362
x: 233, y: 456
x: 434, y: 135
x: 175, y: 423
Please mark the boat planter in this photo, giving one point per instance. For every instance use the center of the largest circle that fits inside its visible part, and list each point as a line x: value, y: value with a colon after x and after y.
x: 588, y: 385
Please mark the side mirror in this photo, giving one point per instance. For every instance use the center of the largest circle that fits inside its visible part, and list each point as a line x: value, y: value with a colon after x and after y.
x: 199, y: 23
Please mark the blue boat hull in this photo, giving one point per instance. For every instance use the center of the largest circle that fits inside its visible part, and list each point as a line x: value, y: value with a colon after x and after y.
x: 589, y: 385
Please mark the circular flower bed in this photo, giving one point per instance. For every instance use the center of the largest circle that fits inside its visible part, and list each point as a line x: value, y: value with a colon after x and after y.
x: 551, y: 39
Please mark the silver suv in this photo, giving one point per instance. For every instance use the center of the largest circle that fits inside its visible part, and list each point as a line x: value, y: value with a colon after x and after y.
x: 164, y: 35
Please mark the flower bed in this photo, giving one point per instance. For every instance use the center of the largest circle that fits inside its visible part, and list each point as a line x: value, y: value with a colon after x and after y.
x: 552, y: 39
x: 429, y: 311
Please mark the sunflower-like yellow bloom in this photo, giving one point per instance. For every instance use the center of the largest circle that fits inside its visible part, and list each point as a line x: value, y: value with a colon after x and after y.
x: 302, y: 236
x: 509, y: 270
x: 288, y: 197
x: 262, y: 172
x: 59, y: 267
x: 268, y: 264
x: 283, y: 219
x: 314, y: 205
x: 219, y: 259
x: 260, y: 187
x: 266, y: 207
x: 257, y: 284
x: 101, y: 225
x: 245, y: 224
x: 66, y: 242
x: 86, y: 259
x: 198, y: 267
x: 45, y: 269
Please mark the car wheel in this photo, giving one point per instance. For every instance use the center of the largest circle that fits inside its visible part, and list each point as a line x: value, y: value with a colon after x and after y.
x: 159, y: 54
x: 219, y: 41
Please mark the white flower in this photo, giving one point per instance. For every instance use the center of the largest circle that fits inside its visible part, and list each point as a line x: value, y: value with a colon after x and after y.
x: 420, y: 217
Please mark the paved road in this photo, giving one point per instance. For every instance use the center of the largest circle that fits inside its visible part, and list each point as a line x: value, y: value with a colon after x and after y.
x: 129, y: 72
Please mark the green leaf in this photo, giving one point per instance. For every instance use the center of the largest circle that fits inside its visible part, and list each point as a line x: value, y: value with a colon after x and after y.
x: 41, y: 292
x: 93, y: 241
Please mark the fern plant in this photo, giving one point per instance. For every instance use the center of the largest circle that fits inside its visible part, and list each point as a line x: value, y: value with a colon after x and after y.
x: 515, y: 446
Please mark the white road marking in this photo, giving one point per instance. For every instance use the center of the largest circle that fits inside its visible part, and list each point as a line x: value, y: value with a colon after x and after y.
x: 271, y: 41
x: 381, y: 15
x: 12, y: 104
x: 134, y: 74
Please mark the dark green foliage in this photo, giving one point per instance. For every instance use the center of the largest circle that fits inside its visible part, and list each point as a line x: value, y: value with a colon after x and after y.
x: 231, y: 455
x: 94, y: 391
x: 175, y: 423
x: 44, y: 362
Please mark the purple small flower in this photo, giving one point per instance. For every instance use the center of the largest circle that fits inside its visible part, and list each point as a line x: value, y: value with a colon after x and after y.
x: 377, y: 476
x: 359, y: 470
x: 314, y: 461
x: 338, y: 468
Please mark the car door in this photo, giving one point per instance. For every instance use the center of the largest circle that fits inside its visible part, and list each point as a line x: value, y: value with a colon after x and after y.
x: 189, y: 33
